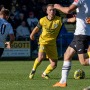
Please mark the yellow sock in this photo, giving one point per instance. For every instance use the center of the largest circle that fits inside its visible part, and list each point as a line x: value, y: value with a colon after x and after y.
x: 36, y: 64
x: 48, y: 69
x: 88, y: 54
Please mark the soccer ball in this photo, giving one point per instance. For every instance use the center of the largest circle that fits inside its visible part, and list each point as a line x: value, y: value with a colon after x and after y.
x: 79, y: 74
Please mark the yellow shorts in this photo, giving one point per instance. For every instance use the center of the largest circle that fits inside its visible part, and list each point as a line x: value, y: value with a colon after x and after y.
x: 49, y: 50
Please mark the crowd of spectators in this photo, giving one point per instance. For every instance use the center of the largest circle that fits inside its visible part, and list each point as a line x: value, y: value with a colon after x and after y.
x: 24, y: 14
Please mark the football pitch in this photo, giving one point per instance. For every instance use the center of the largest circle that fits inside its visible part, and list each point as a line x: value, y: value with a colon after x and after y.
x: 14, y: 76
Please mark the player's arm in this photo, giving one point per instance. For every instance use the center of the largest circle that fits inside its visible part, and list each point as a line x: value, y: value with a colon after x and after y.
x: 12, y: 38
x: 34, y: 31
x: 69, y: 20
x: 11, y: 35
x: 65, y: 10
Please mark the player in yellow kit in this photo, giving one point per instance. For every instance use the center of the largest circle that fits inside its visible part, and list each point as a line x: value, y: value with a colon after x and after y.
x: 50, y: 26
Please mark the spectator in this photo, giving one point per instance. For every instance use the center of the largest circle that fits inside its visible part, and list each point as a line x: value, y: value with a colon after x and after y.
x: 1, y: 6
x: 24, y: 10
x: 32, y: 20
x: 22, y: 31
x: 42, y: 12
x: 5, y: 3
x: 21, y: 18
x: 14, y: 11
x: 13, y: 22
x: 43, y: 2
x: 33, y: 5
x: 14, y: 3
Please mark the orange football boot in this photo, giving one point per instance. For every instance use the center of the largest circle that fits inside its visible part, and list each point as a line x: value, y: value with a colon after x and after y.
x: 58, y: 84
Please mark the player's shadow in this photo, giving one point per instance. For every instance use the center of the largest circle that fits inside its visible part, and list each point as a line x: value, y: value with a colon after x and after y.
x: 73, y: 78
x: 87, y: 78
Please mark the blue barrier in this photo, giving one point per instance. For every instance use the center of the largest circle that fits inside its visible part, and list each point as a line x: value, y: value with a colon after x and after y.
x: 62, y: 43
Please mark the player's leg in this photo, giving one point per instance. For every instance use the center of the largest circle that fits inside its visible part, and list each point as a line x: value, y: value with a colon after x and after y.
x: 51, y: 52
x: 83, y: 51
x: 41, y: 55
x: 50, y: 68
x: 84, y: 58
x: 76, y: 45
x: 71, y: 50
x: 87, y: 88
x: 84, y: 61
x: 66, y: 67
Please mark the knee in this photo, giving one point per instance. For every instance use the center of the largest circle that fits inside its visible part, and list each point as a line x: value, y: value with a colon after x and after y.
x: 84, y: 62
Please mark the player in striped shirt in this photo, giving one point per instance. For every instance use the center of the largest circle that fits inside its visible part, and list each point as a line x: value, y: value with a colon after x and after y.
x: 81, y: 39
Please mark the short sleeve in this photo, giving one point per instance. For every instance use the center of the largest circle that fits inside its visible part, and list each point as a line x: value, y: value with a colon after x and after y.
x: 77, y: 2
x: 39, y: 24
x: 10, y: 29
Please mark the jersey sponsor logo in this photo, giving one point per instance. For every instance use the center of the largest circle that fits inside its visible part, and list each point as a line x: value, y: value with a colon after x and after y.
x: 75, y: 0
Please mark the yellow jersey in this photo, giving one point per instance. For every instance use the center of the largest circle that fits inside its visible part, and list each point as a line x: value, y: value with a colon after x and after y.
x: 50, y: 30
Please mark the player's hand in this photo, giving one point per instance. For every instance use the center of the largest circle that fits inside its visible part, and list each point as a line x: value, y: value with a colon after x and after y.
x: 32, y: 37
x: 56, y: 6
x: 7, y: 45
x: 87, y: 20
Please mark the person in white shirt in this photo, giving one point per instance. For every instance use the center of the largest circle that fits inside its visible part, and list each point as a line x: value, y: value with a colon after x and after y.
x: 79, y: 44
x: 5, y: 30
x: 22, y: 31
x: 32, y: 20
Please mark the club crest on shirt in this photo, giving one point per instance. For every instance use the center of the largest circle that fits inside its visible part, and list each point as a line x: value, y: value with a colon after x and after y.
x: 75, y: 0
x: 55, y: 25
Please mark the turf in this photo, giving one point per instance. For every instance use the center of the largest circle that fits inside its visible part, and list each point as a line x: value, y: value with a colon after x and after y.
x: 14, y: 76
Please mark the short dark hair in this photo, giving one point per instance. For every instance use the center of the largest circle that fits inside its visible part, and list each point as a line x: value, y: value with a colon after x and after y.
x: 5, y: 12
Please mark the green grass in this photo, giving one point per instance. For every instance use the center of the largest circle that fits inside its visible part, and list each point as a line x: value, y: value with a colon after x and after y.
x: 14, y: 76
